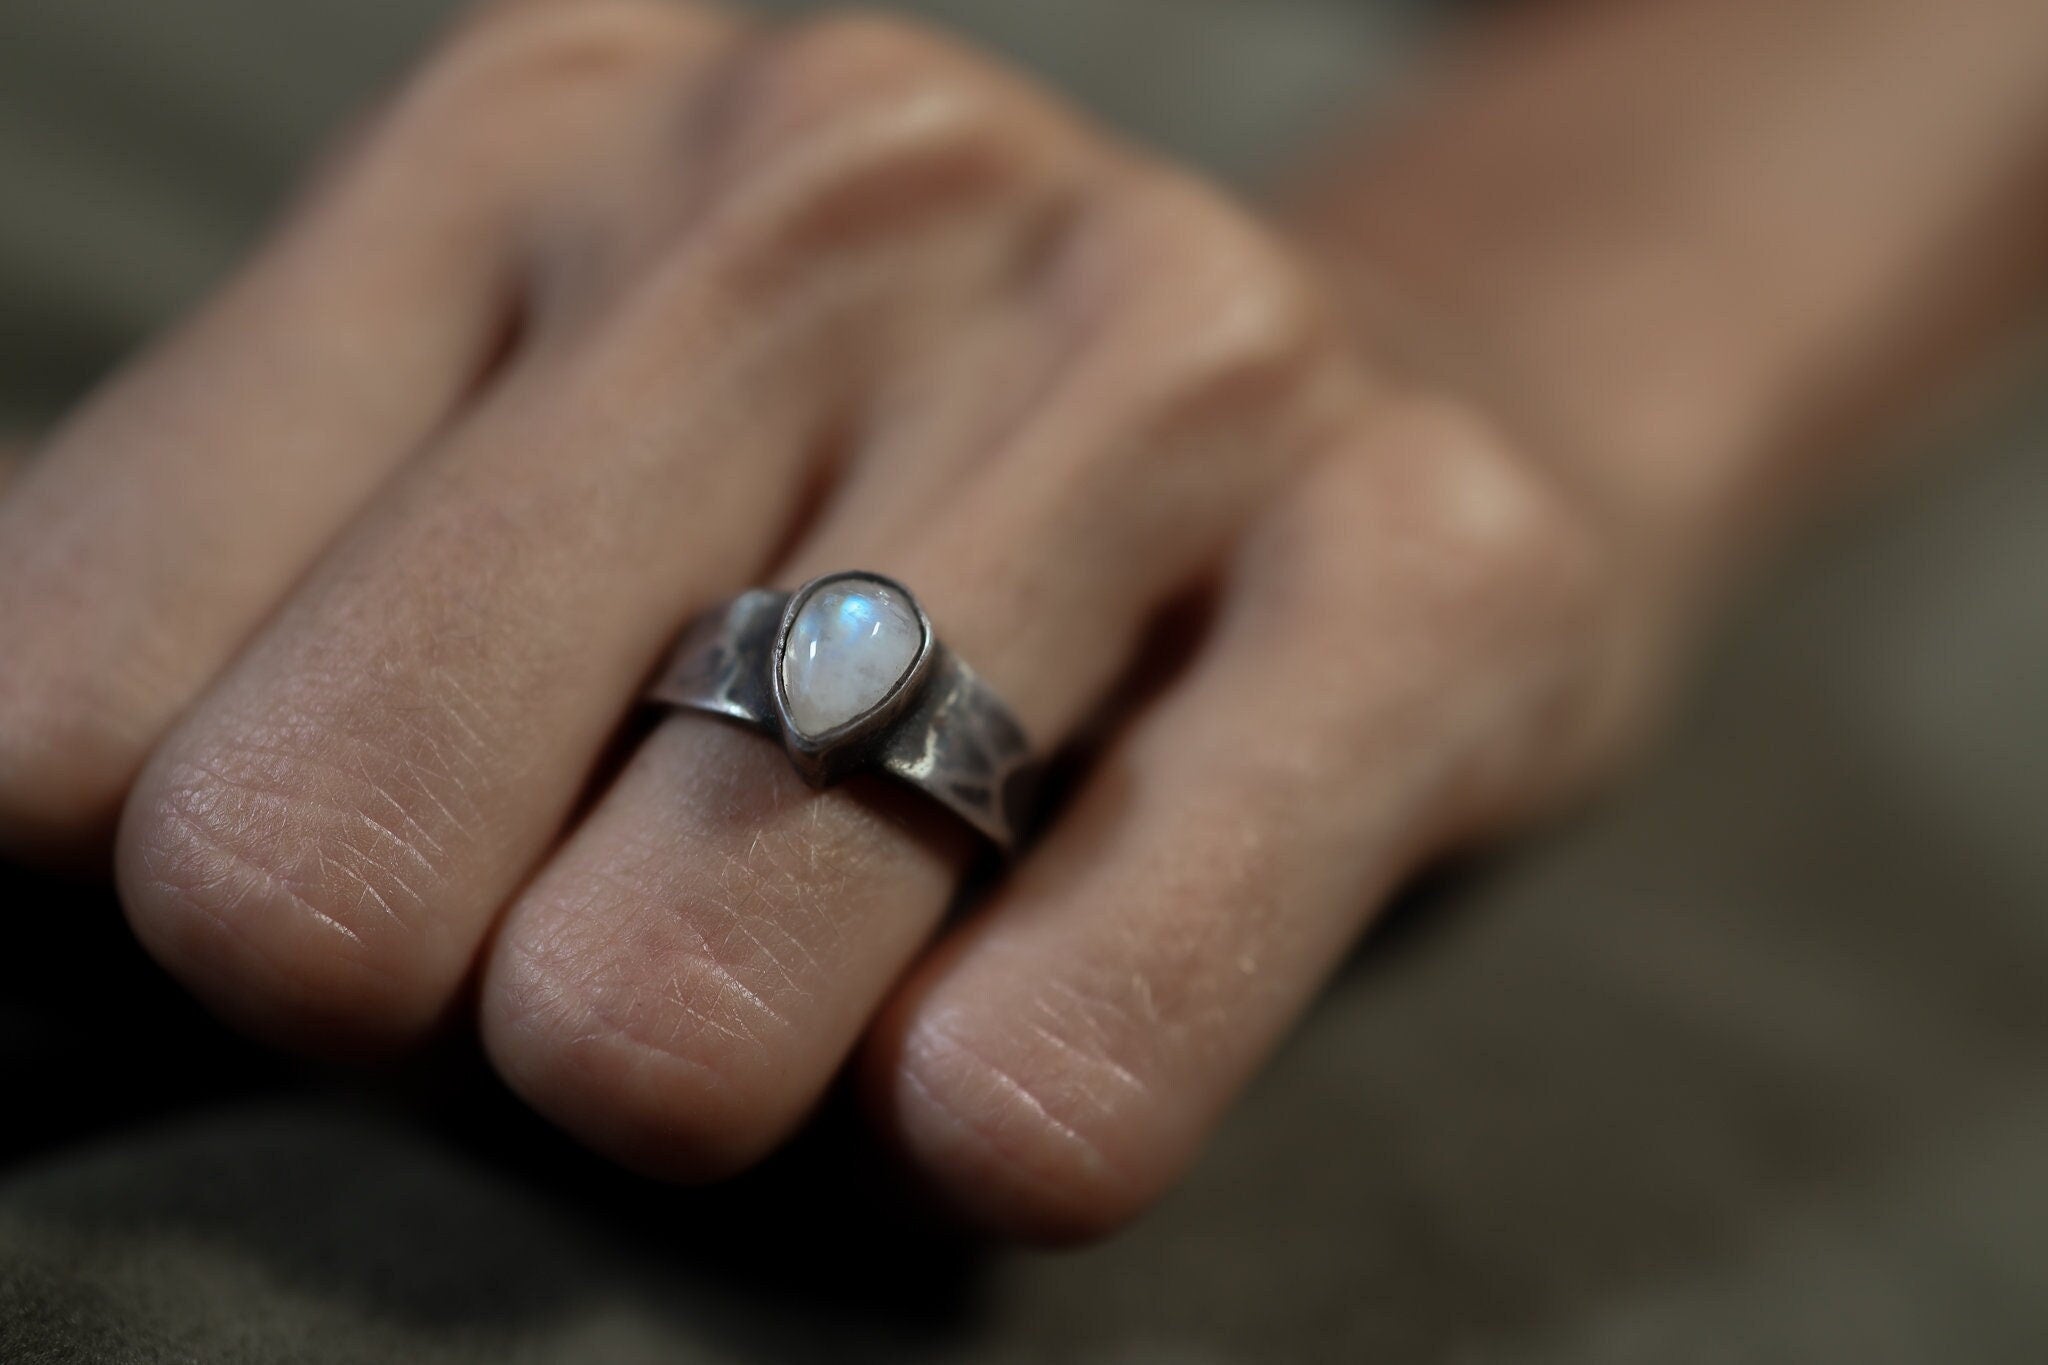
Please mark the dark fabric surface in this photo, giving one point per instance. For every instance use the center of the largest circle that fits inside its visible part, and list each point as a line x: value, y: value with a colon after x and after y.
x: 1750, y: 1062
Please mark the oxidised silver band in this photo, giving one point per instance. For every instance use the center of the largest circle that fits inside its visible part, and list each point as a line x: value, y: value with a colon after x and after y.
x: 942, y: 729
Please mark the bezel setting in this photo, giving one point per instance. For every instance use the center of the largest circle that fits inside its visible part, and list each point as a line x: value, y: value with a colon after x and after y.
x: 823, y: 759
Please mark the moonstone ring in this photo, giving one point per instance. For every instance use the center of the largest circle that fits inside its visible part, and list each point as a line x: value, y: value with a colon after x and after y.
x: 846, y: 671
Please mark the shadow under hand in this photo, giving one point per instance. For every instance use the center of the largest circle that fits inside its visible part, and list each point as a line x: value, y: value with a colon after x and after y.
x: 429, y: 1203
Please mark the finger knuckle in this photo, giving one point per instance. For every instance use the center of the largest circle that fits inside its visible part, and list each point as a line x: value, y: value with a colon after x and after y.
x: 499, y: 91
x: 1222, y: 311
x: 1481, y: 540
x: 1432, y: 537
x: 291, y: 889
x: 670, y: 1075
x: 655, y: 1004
x: 503, y: 50
x: 852, y: 122
x: 1030, y: 1143
x: 1504, y: 542
x: 847, y: 61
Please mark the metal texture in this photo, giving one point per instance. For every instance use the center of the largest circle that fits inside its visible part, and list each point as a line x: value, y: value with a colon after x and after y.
x: 941, y: 729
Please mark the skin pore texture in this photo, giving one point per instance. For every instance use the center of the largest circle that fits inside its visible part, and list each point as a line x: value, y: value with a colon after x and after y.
x: 324, y: 614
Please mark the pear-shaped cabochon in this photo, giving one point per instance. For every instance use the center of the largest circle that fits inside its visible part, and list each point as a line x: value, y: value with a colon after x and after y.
x: 852, y: 642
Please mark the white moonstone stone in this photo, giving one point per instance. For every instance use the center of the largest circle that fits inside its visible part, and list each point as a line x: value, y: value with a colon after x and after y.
x: 851, y: 643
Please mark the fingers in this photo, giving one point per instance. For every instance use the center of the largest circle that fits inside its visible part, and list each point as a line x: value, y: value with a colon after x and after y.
x: 1405, y: 652
x: 680, y: 983
x: 1048, y: 386
x: 320, y: 845
x: 172, y: 514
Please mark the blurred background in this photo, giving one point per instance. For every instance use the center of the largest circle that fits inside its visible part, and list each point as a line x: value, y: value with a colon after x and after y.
x: 1749, y: 1062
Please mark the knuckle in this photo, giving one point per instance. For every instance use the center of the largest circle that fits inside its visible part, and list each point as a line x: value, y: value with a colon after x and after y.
x: 1507, y: 534
x: 1037, y: 1142
x: 1522, y: 588
x: 1485, y: 576
x: 512, y: 47
x: 1222, y: 310
x: 845, y: 61
x: 640, y: 999
x: 667, y: 1077
x: 858, y: 121
x: 1489, y: 537
x: 290, y: 890
x: 498, y: 92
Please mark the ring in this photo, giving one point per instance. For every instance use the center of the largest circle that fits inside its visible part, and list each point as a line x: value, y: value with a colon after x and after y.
x: 846, y: 670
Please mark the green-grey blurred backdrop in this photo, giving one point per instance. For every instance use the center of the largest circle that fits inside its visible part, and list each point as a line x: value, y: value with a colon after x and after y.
x: 1749, y: 1063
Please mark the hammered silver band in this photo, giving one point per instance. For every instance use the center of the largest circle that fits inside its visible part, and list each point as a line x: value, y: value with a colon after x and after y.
x: 940, y: 728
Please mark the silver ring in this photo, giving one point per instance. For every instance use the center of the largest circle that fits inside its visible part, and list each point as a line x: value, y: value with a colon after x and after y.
x: 847, y: 672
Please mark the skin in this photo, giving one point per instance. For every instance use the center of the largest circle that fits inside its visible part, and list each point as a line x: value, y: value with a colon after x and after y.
x: 326, y: 614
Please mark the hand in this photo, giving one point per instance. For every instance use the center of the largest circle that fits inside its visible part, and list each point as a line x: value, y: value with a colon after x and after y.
x: 326, y: 615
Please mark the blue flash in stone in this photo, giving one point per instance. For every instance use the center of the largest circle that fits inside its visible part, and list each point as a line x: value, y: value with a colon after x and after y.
x: 852, y: 641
